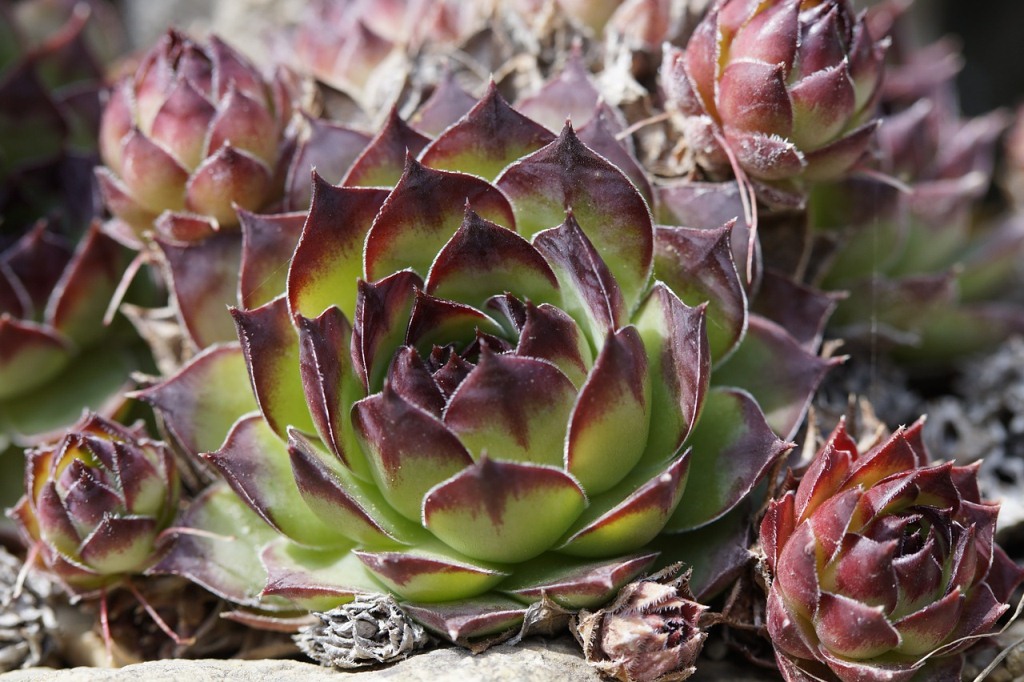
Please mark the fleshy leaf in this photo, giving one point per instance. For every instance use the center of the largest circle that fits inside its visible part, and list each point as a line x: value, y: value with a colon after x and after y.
x: 328, y: 260
x: 675, y: 337
x: 224, y: 556
x: 431, y: 572
x: 330, y: 384
x: 422, y: 213
x: 486, y: 140
x: 199, y: 404
x: 718, y: 553
x: 119, y: 544
x: 609, y: 423
x: 381, y: 321
x: 463, y: 620
x: 801, y: 310
x: 573, y: 583
x: 351, y: 507
x: 698, y: 266
x: 732, y: 429
x: 230, y: 177
x: 549, y: 334
x: 499, y: 410
x: 781, y: 374
x: 503, y: 511
x: 446, y: 105
x: 30, y: 355
x: 268, y: 242
x: 567, y: 175
x: 311, y: 578
x: 81, y: 296
x: 255, y: 463
x: 849, y: 628
x: 569, y: 95
x: 204, y: 281
x: 331, y: 149
x: 482, y: 259
x: 271, y: 349
x: 438, y: 321
x: 409, y: 449
x: 589, y: 291
x: 599, y: 134
x: 383, y: 161
x: 631, y: 514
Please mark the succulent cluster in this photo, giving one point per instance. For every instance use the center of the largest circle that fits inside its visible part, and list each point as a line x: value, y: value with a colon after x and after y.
x: 777, y: 90
x: 883, y: 566
x: 481, y: 358
x: 96, y: 502
x: 475, y: 382
x: 194, y: 133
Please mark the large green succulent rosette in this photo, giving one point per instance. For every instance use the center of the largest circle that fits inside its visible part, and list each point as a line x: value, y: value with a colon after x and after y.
x: 474, y: 392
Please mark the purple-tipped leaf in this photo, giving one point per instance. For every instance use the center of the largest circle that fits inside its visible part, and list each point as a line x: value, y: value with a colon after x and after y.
x: 778, y: 371
x: 199, y: 404
x: 268, y: 242
x: 570, y: 95
x: 675, y: 338
x: 503, y: 511
x: 314, y: 579
x: 575, y: 584
x: 255, y: 463
x: 468, y: 619
x: 430, y: 573
x: 381, y: 321
x: 548, y: 333
x: 353, y: 508
x: 119, y: 544
x: 224, y: 557
x: 609, y: 424
x: 567, y: 175
x: 330, y: 383
x: 328, y: 260
x: 204, y: 281
x: 422, y: 213
x: 631, y: 514
x: 589, y: 290
x: 483, y: 259
x: 409, y: 450
x: 383, y: 160
x: 698, y: 266
x: 732, y: 429
x: 271, y: 349
x: 486, y: 140
x: 499, y: 409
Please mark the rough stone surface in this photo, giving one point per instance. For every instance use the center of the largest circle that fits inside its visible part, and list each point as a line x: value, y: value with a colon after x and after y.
x: 534, y: 660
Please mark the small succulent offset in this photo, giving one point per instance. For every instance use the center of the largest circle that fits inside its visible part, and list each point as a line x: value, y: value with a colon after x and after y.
x: 777, y: 90
x: 96, y: 502
x: 193, y: 133
x: 650, y: 633
x: 882, y: 566
x: 475, y: 381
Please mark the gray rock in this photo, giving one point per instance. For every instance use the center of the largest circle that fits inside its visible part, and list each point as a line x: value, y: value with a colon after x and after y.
x: 534, y: 660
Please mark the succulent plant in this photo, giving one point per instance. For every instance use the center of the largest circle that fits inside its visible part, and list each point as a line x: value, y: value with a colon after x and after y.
x: 777, y: 90
x: 882, y: 565
x: 937, y: 267
x: 650, y: 633
x: 96, y: 502
x: 56, y: 355
x: 465, y: 373
x: 193, y: 133
x: 51, y: 75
